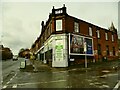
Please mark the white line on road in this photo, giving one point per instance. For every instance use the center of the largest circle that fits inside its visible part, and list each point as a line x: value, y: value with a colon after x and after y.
x: 58, y: 81
x: 4, y: 86
x: 11, y: 79
x: 117, y: 86
x: 14, y: 86
x: 42, y: 82
x: 59, y: 72
x: 8, y: 82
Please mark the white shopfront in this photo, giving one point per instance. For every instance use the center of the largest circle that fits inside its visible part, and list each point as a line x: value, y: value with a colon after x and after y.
x: 55, y: 50
x: 58, y: 48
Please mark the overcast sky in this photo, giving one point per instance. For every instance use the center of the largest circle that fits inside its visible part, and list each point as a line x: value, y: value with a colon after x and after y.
x: 21, y: 21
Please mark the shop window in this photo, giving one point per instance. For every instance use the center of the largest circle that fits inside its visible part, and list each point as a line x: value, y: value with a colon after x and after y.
x: 90, y: 31
x: 76, y: 27
x: 58, y: 25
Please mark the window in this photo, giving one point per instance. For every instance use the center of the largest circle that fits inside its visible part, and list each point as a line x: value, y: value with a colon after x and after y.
x: 99, y: 49
x: 107, y: 49
x: 90, y: 31
x: 114, y: 51
x: 58, y: 25
x: 106, y: 36
x: 112, y: 38
x: 58, y: 11
x: 76, y: 27
x: 98, y: 33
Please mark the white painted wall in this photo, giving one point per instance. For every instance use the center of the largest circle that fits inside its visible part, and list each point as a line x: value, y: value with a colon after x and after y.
x: 63, y: 60
x: 50, y: 43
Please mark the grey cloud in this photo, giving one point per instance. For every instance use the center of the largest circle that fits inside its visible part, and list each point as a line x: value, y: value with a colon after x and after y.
x: 21, y: 21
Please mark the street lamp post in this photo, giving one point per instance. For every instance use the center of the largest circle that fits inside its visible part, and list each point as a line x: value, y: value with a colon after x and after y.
x: 85, y: 50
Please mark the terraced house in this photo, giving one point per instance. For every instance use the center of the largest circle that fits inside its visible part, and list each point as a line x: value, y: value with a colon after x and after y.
x: 66, y: 40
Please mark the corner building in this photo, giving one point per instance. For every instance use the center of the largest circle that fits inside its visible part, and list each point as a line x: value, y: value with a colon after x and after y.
x: 66, y: 40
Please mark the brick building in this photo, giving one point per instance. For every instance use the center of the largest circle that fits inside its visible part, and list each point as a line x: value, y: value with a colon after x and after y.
x: 66, y: 40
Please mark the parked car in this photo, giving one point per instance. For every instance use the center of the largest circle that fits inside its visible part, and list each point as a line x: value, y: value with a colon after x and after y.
x: 15, y: 57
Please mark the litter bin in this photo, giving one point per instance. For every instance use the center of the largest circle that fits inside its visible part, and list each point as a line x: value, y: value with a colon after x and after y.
x: 22, y: 64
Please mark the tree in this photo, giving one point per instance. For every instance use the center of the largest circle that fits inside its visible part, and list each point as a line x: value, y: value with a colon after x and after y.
x: 24, y: 52
x: 6, y: 53
x: 20, y: 52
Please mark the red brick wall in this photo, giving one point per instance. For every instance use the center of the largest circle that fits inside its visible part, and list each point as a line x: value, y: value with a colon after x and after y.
x: 84, y: 26
x: 68, y: 27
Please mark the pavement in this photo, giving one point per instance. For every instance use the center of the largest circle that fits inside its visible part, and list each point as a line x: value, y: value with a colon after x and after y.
x: 39, y: 66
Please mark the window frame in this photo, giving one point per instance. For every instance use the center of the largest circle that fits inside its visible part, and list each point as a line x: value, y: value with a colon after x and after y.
x: 98, y: 33
x: 76, y: 27
x: 106, y: 36
x: 59, y: 21
x: 112, y: 38
x: 90, y: 30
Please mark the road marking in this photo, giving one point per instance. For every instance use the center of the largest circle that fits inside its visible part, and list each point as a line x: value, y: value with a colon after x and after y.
x: 42, y: 82
x: 60, y: 72
x: 11, y: 79
x: 8, y: 82
x: 4, y: 86
x: 117, y: 86
x: 14, y: 86
x: 58, y: 81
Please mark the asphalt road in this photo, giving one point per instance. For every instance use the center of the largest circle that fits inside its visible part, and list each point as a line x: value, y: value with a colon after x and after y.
x: 101, y: 77
x: 9, y: 69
